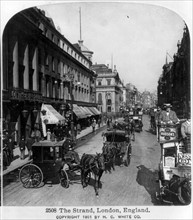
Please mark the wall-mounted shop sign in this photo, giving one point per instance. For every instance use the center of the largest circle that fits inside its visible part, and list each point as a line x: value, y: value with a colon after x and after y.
x: 25, y: 95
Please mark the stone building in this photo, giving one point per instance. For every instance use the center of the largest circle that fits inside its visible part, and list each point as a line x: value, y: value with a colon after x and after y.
x: 109, y: 93
x: 174, y: 83
x: 39, y: 65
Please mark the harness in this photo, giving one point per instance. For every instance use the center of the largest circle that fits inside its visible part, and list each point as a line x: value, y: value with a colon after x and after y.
x: 90, y: 162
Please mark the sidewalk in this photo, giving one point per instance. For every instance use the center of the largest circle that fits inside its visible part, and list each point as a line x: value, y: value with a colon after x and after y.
x: 17, y: 163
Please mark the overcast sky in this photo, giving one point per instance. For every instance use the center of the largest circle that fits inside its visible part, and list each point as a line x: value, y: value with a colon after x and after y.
x: 136, y: 45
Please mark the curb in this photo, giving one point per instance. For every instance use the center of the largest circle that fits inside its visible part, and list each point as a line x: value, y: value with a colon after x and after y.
x: 29, y: 161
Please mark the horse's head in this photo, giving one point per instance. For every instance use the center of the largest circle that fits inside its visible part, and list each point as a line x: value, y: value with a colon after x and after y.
x: 100, y: 161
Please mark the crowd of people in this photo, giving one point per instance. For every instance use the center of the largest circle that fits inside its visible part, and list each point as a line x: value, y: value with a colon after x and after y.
x: 55, y: 132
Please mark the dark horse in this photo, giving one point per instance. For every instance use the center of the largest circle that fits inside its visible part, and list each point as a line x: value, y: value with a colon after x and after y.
x: 109, y: 152
x: 94, y: 164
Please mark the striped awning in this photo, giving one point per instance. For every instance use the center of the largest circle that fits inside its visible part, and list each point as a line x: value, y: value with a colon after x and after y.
x: 95, y: 110
x: 89, y: 111
x: 78, y: 111
x: 85, y: 111
x: 51, y: 115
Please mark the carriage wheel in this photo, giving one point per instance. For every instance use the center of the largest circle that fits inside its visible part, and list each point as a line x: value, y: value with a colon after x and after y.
x: 64, y: 180
x: 31, y: 176
x: 184, y: 195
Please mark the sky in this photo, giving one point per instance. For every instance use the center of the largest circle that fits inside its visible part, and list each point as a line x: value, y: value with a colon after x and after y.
x: 133, y: 36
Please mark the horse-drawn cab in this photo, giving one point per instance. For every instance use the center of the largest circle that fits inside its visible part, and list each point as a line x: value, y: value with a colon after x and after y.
x: 116, y: 146
x: 136, y: 115
x: 48, y: 160
x: 174, y: 167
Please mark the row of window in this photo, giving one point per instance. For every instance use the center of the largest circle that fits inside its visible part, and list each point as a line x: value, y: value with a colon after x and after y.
x: 63, y: 45
x: 108, y: 82
x: 61, y: 68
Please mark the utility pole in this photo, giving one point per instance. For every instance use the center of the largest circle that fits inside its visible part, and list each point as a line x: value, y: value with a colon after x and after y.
x: 70, y: 78
x: 71, y: 107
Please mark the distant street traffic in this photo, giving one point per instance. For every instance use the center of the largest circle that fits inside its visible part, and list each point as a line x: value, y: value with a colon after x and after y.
x: 132, y: 185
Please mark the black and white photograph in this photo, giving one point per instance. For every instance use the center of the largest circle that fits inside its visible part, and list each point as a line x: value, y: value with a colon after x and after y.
x: 96, y: 110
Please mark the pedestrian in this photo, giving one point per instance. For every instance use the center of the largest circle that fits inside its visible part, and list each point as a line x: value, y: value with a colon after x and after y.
x: 108, y: 123
x: 10, y: 147
x: 116, y: 125
x: 132, y: 129
x: 29, y: 143
x: 78, y: 128
x: 93, y: 125
x: 6, y: 158
x: 186, y: 133
x: 99, y: 123
x: 36, y: 134
x: 48, y: 135
x: 52, y: 137
x: 22, y: 148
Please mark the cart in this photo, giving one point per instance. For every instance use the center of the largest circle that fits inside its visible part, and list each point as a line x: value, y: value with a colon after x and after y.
x: 174, y: 173
x: 49, y: 162
x: 136, y: 116
x: 117, y: 142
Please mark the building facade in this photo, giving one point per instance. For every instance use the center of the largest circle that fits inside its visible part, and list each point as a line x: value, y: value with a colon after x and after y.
x: 39, y: 65
x: 149, y: 100
x: 109, y: 93
x: 174, y: 83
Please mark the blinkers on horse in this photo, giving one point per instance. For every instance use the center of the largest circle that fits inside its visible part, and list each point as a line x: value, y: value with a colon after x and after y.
x: 92, y: 164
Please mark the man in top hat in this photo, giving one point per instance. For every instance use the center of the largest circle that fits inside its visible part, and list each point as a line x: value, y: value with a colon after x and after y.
x: 168, y: 116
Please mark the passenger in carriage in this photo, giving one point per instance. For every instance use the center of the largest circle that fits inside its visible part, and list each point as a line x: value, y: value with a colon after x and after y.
x: 186, y: 133
x: 167, y: 116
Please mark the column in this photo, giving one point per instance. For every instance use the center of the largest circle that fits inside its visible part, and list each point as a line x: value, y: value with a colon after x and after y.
x: 35, y: 67
x: 26, y: 70
x: 15, y: 66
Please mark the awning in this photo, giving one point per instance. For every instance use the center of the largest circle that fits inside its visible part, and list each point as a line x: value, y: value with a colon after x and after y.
x: 49, y: 115
x: 78, y: 111
x: 95, y: 110
x: 89, y: 111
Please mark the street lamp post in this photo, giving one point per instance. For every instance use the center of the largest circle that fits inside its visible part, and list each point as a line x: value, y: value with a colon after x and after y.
x: 70, y: 79
x: 71, y: 107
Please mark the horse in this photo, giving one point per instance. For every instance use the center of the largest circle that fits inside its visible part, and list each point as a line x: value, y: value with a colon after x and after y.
x: 109, y: 152
x: 116, y: 152
x: 94, y: 164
